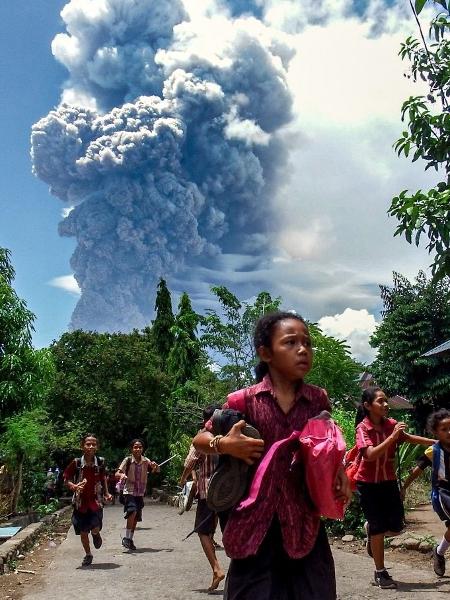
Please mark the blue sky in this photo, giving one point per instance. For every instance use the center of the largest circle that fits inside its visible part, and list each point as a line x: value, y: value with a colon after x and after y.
x: 332, y: 244
x: 28, y: 222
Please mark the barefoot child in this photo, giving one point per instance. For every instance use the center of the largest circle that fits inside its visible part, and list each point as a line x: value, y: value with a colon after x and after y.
x: 205, y: 518
x: 133, y: 473
x: 438, y: 458
x: 86, y: 478
x: 377, y: 438
x: 278, y: 545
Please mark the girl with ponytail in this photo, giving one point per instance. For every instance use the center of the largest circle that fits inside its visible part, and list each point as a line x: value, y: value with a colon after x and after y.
x: 377, y: 437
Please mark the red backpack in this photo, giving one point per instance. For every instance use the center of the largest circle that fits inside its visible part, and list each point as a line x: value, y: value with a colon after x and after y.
x: 352, y: 462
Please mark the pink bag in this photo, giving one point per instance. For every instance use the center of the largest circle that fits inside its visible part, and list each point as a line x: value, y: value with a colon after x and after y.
x: 322, y: 449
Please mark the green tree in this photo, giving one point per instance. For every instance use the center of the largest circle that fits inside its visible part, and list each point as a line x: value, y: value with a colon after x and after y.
x: 186, y: 352
x: 25, y: 373
x: 164, y: 321
x: 427, y: 136
x: 333, y: 368
x: 229, y: 333
x: 25, y: 437
x: 416, y: 318
x: 111, y: 384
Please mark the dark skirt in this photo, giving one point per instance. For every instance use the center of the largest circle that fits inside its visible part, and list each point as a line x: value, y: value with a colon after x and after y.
x: 272, y: 575
x: 382, y: 506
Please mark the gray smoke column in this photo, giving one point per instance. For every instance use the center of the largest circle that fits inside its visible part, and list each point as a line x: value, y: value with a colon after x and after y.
x: 166, y: 144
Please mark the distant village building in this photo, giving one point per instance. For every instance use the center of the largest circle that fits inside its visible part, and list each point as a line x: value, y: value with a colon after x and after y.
x: 395, y: 402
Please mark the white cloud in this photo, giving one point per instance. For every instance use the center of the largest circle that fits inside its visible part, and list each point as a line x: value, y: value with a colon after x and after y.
x: 355, y: 327
x: 65, y: 212
x: 67, y: 283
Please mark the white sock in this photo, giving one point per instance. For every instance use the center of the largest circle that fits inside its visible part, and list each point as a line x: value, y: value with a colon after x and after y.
x: 128, y: 534
x: 443, y: 546
x: 381, y: 570
x: 131, y: 534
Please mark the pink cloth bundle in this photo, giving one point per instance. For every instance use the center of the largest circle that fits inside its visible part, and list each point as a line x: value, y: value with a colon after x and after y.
x: 322, y: 449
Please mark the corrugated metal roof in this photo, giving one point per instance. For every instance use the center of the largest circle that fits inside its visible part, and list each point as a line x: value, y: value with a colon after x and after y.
x: 445, y: 347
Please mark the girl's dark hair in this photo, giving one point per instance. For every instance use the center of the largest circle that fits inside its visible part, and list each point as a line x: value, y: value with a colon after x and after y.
x: 135, y: 441
x: 86, y: 436
x: 368, y: 396
x: 435, y: 418
x: 263, y: 333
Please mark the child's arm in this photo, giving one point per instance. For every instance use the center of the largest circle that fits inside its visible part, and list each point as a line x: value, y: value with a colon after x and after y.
x: 107, y: 496
x: 234, y: 443
x: 185, y: 474
x: 371, y: 453
x: 415, y: 473
x: 120, y: 473
x: 417, y: 439
x: 154, y: 467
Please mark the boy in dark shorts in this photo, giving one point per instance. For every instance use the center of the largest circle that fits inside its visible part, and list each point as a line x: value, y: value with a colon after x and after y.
x: 86, y: 478
x: 205, y: 518
x: 133, y: 473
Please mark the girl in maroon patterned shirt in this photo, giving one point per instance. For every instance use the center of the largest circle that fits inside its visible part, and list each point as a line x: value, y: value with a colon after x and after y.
x: 278, y: 546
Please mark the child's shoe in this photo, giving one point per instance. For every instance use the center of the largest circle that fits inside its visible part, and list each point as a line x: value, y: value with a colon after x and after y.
x: 384, y: 580
x: 97, y: 540
x: 87, y: 560
x: 438, y: 563
x: 128, y: 543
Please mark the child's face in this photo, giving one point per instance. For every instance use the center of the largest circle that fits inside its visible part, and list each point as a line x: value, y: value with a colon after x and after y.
x: 290, y: 353
x: 89, y: 446
x: 379, y: 407
x: 442, y: 432
x: 137, y: 449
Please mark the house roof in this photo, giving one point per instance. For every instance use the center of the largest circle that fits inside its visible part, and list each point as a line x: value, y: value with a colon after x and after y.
x: 445, y: 347
x: 399, y: 403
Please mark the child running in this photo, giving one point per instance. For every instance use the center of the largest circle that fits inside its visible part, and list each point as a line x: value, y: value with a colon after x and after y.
x: 438, y: 458
x: 377, y: 438
x: 86, y: 478
x: 133, y: 472
x: 278, y: 545
x: 205, y: 518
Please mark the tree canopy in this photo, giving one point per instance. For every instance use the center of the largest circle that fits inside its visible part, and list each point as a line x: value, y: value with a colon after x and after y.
x: 25, y: 373
x: 416, y: 318
x: 333, y: 368
x: 229, y: 333
x: 110, y: 384
x: 427, y: 137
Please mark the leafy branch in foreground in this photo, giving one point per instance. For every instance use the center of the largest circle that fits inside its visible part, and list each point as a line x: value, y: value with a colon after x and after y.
x: 427, y: 136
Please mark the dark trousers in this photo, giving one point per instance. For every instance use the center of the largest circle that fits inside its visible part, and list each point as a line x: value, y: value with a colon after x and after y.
x: 272, y: 575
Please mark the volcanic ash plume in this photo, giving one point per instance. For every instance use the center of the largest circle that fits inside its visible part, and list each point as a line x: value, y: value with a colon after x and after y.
x: 168, y: 149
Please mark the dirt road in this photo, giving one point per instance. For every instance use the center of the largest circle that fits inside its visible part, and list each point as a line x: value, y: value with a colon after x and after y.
x: 164, y: 567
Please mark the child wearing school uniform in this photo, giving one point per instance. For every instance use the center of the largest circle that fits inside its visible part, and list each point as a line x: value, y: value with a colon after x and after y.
x: 86, y: 478
x: 133, y: 473
x: 278, y: 546
x: 437, y: 457
x: 377, y: 437
x: 205, y: 518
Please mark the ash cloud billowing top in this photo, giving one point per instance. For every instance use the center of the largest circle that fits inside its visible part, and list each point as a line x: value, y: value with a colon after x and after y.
x: 166, y: 143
